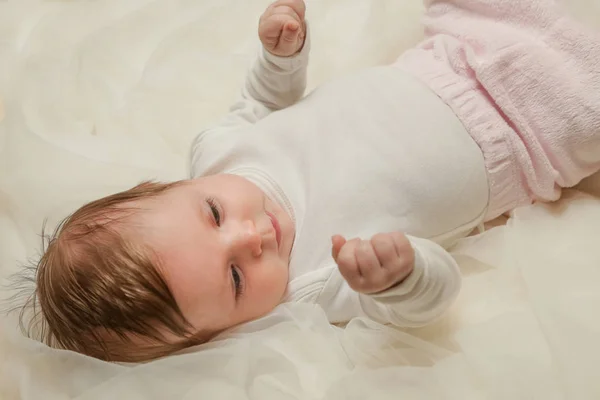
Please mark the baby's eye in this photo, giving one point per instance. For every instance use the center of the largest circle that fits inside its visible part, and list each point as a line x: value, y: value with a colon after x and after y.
x: 215, y: 211
x: 236, y: 277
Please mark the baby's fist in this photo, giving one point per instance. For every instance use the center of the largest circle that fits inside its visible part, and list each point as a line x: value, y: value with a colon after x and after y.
x: 372, y: 266
x: 282, y: 28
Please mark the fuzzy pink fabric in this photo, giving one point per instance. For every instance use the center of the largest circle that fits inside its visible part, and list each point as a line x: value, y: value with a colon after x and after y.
x: 524, y: 78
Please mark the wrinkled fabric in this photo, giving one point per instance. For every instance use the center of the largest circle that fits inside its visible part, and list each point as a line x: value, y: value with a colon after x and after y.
x: 98, y: 95
x: 524, y: 78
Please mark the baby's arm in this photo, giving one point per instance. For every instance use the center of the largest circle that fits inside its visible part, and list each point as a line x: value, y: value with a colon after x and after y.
x: 396, y: 279
x: 277, y: 79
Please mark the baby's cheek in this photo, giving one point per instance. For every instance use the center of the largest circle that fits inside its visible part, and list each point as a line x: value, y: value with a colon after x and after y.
x: 273, y: 282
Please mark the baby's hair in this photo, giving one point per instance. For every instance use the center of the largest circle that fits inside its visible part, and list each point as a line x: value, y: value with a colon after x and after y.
x: 98, y: 291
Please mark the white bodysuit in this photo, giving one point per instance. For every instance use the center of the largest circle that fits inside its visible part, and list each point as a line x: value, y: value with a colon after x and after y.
x: 372, y: 152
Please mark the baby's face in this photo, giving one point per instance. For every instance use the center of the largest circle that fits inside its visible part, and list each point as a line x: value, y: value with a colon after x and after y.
x: 224, y: 249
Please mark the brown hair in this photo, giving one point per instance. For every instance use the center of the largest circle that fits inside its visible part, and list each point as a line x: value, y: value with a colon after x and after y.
x: 99, y: 293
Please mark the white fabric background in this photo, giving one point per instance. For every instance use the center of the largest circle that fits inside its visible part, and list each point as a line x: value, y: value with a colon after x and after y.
x: 97, y: 95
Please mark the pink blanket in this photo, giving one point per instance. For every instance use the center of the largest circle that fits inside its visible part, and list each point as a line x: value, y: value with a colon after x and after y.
x: 524, y: 77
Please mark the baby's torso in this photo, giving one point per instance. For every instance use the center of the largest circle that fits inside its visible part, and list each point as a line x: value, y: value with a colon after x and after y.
x: 371, y: 152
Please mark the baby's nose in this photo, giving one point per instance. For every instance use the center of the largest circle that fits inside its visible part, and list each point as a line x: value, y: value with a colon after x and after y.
x: 248, y: 239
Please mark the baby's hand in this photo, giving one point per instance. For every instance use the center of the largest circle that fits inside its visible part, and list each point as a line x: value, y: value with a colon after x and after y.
x: 282, y: 28
x: 372, y: 266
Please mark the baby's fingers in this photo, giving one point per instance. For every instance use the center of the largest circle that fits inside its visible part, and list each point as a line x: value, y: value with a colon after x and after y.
x: 291, y: 33
x: 297, y: 6
x: 337, y: 242
x: 281, y: 33
x: 368, y: 264
x: 347, y: 264
x: 374, y: 277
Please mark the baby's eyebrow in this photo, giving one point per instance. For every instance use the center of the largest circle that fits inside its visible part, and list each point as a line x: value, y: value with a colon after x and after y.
x: 205, y: 213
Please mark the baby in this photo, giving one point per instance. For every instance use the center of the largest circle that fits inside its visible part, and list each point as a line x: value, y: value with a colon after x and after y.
x: 346, y: 198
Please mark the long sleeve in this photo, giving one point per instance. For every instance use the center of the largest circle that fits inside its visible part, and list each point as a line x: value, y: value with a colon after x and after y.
x: 277, y: 82
x: 272, y: 83
x: 420, y: 299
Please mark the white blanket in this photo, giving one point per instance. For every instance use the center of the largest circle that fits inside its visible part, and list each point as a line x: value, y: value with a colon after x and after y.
x: 98, y: 95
